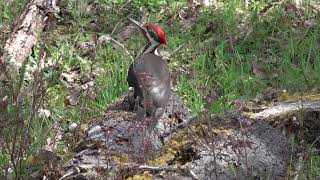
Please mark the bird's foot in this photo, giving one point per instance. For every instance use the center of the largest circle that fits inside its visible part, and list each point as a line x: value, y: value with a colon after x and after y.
x: 136, y: 106
x: 131, y: 99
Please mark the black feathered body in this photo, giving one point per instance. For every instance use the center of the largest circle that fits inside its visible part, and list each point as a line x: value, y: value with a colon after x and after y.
x: 149, y: 76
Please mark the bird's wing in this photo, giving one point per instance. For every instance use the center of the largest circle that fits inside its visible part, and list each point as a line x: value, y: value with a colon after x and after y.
x: 153, y: 77
x: 144, y: 79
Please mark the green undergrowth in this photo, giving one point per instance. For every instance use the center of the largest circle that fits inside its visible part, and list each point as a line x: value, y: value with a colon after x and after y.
x: 212, y: 57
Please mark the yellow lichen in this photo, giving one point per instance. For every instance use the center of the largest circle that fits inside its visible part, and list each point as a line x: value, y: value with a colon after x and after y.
x: 170, y: 150
x: 299, y: 96
x: 145, y: 176
x: 220, y: 132
x: 120, y: 158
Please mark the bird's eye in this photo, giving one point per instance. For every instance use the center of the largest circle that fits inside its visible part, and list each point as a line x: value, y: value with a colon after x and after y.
x: 150, y: 31
x: 153, y: 34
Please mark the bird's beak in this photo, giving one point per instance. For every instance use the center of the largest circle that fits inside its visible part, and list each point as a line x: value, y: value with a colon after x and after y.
x: 136, y: 23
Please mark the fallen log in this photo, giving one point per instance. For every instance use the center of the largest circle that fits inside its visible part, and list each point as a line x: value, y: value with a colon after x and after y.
x: 26, y: 27
x: 286, y: 108
x: 233, y: 145
x: 297, y: 117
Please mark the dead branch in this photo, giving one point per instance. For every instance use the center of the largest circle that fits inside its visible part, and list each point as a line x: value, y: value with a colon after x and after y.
x: 286, y: 108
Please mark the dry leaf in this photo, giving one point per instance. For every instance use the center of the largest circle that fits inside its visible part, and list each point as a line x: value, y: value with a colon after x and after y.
x: 71, y: 100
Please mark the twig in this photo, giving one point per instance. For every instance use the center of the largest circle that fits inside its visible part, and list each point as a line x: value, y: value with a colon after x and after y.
x: 302, y: 159
x: 115, y: 27
x: 200, y: 140
x: 68, y: 174
x: 193, y: 175
x: 129, y: 1
x: 176, y: 49
x: 313, y: 144
x: 299, y: 167
x: 179, y: 126
x: 125, y: 49
x: 155, y: 168
x: 172, y: 169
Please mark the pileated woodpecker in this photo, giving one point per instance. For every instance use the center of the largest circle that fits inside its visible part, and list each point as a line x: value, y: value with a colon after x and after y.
x: 148, y: 75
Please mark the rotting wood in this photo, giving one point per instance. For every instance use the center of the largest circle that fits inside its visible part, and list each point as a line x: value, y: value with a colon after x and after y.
x: 26, y: 27
x: 285, y: 108
x: 219, y: 147
x: 233, y: 145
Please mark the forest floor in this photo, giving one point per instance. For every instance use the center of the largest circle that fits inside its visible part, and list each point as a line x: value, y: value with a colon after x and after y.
x: 218, y: 55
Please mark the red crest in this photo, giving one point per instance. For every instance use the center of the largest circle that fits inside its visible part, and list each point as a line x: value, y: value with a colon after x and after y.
x: 160, y: 33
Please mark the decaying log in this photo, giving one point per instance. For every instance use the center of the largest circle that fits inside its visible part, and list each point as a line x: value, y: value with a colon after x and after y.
x: 299, y: 116
x: 286, y: 108
x: 25, y: 30
x: 232, y: 145
x: 229, y: 151
x: 118, y: 136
